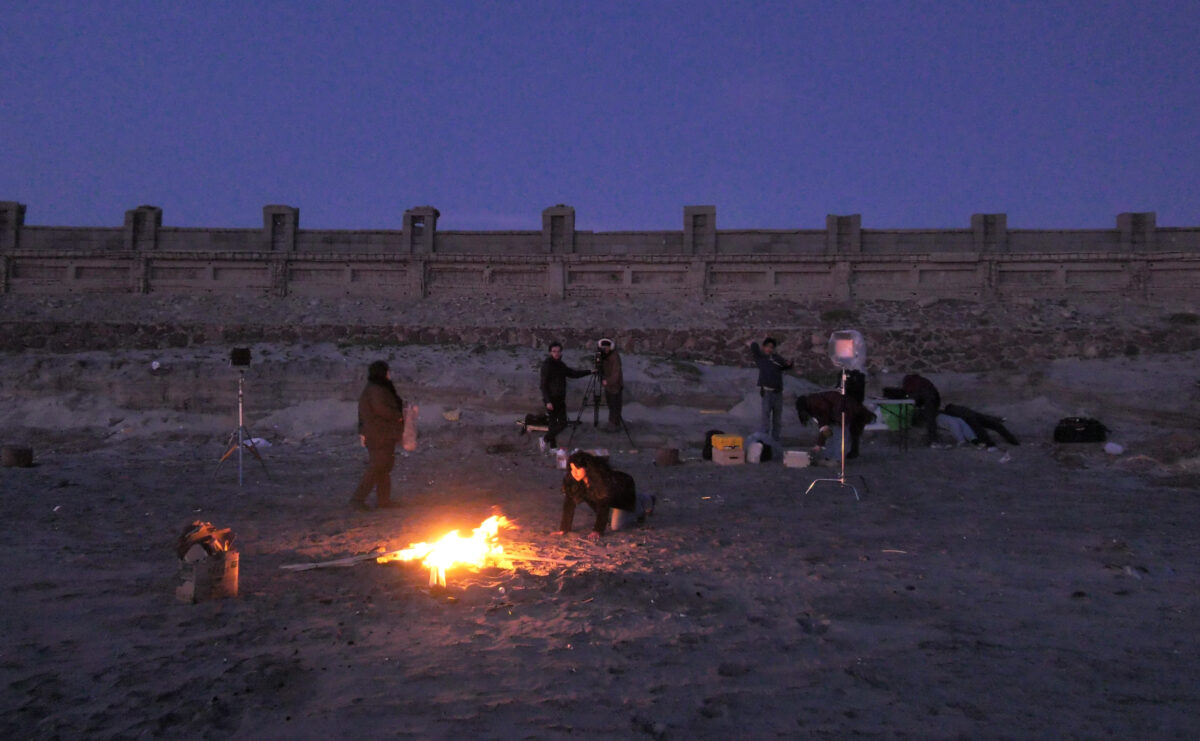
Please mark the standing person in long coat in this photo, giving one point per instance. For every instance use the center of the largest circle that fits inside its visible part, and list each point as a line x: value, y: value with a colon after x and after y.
x: 380, y: 428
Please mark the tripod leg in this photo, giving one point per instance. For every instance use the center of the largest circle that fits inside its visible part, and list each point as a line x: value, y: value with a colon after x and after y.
x: 232, y: 446
x: 249, y: 443
x: 628, y: 436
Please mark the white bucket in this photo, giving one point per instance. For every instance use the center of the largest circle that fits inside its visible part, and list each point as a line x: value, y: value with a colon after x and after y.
x: 754, y: 452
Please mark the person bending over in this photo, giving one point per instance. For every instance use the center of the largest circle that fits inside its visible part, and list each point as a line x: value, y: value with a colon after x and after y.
x: 591, y: 480
x: 826, y: 408
x: 926, y: 402
x: 552, y: 380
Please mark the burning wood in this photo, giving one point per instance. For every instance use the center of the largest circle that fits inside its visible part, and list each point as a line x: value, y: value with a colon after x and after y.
x: 481, y: 549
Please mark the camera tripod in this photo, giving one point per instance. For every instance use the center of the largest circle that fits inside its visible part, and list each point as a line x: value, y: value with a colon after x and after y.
x: 592, y: 394
x: 240, y: 439
x: 841, y: 479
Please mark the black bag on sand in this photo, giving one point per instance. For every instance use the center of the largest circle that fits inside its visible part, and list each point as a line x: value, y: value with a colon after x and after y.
x: 1080, y: 430
x: 708, y: 436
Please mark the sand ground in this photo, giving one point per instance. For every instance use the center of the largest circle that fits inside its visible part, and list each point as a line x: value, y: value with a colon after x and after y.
x: 1036, y: 591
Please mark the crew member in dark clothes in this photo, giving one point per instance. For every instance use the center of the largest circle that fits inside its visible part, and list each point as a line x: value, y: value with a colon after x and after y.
x: 927, y: 402
x: 553, y: 377
x: 980, y: 423
x: 770, y: 386
x: 380, y: 428
x: 590, y: 479
x: 826, y: 408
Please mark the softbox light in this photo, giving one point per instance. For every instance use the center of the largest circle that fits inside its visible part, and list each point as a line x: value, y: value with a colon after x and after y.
x: 847, y: 349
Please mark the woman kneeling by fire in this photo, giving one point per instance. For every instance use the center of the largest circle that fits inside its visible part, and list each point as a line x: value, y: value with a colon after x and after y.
x: 611, y: 493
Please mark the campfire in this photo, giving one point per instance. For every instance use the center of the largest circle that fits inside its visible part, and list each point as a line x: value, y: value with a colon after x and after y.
x: 481, y: 549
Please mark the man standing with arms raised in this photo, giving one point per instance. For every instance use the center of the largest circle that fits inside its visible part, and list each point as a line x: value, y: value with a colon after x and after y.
x: 770, y: 386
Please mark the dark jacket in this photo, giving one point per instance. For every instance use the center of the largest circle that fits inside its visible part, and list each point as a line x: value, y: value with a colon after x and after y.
x: 380, y: 415
x: 553, y: 377
x: 610, y: 371
x: 826, y: 408
x: 606, y: 489
x: 770, y: 368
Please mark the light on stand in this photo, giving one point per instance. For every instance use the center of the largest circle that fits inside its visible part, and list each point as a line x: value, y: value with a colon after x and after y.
x: 848, y: 351
x: 239, y: 439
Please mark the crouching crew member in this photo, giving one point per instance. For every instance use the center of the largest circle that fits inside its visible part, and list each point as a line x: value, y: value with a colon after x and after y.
x: 826, y: 408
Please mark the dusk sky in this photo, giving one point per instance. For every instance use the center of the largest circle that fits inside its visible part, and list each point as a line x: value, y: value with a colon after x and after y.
x: 913, y: 114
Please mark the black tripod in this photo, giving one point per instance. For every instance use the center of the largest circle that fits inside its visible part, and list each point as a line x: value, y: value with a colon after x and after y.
x: 241, y: 438
x: 841, y: 479
x: 592, y: 394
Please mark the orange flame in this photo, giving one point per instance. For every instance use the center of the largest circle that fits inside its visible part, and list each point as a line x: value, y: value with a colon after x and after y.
x: 481, y: 549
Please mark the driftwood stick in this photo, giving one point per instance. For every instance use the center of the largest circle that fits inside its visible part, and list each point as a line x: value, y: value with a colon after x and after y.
x: 511, y: 557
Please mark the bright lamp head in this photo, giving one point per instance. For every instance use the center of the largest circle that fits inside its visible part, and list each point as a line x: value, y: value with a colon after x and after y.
x: 847, y: 349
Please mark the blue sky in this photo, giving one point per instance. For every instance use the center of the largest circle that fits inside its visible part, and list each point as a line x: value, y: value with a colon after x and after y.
x: 913, y: 114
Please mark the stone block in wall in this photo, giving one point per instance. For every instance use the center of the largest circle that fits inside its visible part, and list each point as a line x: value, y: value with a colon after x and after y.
x: 420, y: 230
x: 141, y: 227
x: 558, y: 230
x: 843, y: 234
x: 280, y: 224
x: 699, y: 230
x: 1137, y: 230
x: 12, y: 219
x: 989, y: 232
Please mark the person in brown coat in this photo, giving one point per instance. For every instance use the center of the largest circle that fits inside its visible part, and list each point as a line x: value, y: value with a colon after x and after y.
x: 380, y: 428
x: 826, y: 408
x: 613, y: 382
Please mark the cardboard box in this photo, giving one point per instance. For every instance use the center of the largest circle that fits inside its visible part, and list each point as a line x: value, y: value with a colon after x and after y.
x: 796, y: 458
x: 727, y: 441
x: 215, y: 577
x: 728, y: 456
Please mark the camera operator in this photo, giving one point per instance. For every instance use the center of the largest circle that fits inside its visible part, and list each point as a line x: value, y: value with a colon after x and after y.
x: 608, y: 365
x: 553, y: 376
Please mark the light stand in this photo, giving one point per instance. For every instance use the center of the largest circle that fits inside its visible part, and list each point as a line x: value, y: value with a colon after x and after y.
x: 241, y: 438
x: 846, y: 350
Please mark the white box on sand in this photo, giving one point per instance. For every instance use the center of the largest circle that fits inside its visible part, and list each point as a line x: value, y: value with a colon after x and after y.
x: 796, y: 459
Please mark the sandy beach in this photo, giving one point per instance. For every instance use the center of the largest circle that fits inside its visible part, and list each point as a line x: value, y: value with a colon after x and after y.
x: 1033, y: 591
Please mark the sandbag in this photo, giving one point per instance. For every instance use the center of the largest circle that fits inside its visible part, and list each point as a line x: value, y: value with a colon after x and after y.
x: 408, y: 441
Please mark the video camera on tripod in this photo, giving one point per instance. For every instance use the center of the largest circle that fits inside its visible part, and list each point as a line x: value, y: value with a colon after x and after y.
x: 603, y: 347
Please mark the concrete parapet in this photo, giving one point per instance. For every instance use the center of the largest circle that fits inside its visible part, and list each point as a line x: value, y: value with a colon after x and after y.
x: 989, y: 232
x: 141, y: 228
x: 843, y: 234
x: 420, y: 230
x: 699, y: 230
x: 558, y: 230
x: 12, y: 219
x: 1137, y: 230
x: 280, y: 224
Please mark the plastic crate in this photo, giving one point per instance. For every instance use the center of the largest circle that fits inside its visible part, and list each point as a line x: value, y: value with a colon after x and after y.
x: 726, y: 442
x: 729, y: 456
